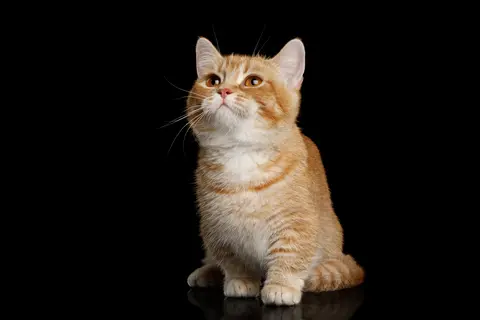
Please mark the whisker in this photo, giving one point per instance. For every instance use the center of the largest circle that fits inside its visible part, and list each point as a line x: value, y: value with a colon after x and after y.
x: 264, y: 26
x: 180, y: 98
x: 179, y: 133
x: 190, y: 128
x: 262, y: 46
x: 198, y: 96
x: 216, y: 39
x: 195, y: 108
x: 187, y: 91
x: 187, y: 96
x: 181, y: 118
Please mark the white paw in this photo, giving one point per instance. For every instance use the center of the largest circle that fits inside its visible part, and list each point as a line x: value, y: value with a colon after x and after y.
x: 241, y: 288
x: 280, y: 295
x: 206, y: 276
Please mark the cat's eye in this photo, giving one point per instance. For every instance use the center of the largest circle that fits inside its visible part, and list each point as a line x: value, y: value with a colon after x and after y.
x: 253, y: 81
x: 213, y: 80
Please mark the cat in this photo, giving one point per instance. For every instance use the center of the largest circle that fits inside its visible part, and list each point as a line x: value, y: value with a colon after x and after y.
x: 262, y: 194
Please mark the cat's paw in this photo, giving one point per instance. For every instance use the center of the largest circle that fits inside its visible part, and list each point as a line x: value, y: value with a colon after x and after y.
x: 273, y: 294
x: 205, y: 276
x: 244, y: 288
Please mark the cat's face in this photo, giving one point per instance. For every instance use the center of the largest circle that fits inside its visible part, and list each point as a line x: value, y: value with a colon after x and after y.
x: 243, y: 97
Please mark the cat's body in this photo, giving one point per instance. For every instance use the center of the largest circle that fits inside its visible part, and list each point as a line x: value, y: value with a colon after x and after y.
x: 263, y: 198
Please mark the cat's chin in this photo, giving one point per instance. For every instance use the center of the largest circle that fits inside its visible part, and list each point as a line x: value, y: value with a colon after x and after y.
x: 226, y: 108
x: 224, y: 116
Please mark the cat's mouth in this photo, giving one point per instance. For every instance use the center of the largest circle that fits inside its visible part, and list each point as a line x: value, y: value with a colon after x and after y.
x: 232, y: 108
x: 223, y: 104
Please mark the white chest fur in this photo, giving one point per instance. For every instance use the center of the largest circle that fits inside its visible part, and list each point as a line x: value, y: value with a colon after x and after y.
x: 238, y: 219
x: 242, y: 166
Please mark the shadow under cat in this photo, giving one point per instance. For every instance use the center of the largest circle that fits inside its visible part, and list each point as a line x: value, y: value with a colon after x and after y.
x: 335, y: 305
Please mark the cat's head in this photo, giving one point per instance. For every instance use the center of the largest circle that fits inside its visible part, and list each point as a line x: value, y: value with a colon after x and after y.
x: 245, y: 99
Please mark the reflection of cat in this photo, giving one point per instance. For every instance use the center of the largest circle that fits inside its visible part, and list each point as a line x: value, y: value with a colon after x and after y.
x: 336, y: 305
x: 262, y: 192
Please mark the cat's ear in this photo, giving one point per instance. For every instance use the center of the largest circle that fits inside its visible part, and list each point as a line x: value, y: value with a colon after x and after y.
x: 291, y: 61
x: 207, y: 57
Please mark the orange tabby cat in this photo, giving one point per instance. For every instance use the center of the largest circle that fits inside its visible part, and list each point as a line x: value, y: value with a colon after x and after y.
x: 263, y: 198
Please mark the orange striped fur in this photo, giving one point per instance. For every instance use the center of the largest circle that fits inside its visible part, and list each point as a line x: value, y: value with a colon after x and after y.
x: 263, y: 197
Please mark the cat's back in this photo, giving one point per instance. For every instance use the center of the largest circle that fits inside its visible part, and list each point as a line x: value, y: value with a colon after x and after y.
x: 314, y: 159
x: 316, y: 173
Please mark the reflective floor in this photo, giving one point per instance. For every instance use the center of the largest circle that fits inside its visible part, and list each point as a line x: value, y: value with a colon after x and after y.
x: 339, y: 305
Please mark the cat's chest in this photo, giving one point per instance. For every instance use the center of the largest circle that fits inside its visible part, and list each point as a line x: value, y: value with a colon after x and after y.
x: 242, y: 166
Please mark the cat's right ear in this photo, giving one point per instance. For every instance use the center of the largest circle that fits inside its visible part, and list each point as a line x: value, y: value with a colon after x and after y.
x: 207, y: 57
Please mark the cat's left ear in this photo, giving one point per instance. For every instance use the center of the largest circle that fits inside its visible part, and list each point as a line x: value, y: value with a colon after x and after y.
x: 207, y: 57
x: 291, y: 61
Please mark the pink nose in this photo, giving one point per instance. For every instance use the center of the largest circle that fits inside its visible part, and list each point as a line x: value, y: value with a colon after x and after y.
x: 224, y: 92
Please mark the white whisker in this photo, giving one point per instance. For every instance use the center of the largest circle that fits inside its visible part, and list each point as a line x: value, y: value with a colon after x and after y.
x: 264, y: 26
x: 216, y: 39
x: 181, y: 117
x: 187, y: 91
x: 183, y: 97
x: 194, y: 122
x: 180, y: 132
x: 262, y: 46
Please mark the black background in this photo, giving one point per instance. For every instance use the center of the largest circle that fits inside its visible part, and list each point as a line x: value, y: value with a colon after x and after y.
x: 356, y: 106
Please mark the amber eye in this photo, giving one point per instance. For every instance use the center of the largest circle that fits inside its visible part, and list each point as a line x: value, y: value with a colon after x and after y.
x: 253, y: 81
x: 213, y: 80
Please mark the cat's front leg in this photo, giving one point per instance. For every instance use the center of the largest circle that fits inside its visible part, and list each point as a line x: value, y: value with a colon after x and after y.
x: 240, y: 280
x: 289, y: 256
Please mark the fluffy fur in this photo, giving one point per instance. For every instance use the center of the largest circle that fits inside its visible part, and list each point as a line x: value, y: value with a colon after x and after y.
x: 263, y: 198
